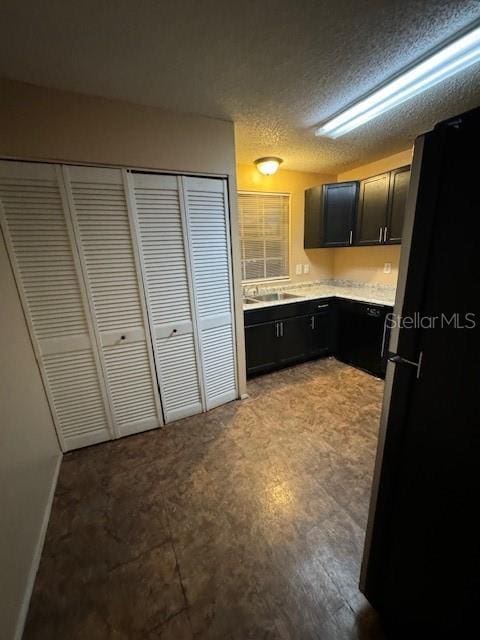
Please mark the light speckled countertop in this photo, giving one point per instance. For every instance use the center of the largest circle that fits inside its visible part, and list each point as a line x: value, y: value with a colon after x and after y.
x: 375, y: 294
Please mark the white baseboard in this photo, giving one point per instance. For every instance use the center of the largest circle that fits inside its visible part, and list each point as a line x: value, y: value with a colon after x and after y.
x: 22, y: 616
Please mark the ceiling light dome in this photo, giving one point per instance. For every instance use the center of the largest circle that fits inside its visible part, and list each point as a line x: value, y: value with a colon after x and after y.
x: 268, y: 166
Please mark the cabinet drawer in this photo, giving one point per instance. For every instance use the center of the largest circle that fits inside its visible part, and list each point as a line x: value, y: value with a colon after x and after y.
x: 284, y: 311
x: 320, y: 306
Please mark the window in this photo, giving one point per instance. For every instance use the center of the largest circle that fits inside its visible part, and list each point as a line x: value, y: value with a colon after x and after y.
x: 264, y: 235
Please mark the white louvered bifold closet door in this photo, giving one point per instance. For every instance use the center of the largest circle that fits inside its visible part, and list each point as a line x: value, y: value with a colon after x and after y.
x: 160, y: 231
x: 208, y: 229
x: 98, y: 204
x: 39, y: 240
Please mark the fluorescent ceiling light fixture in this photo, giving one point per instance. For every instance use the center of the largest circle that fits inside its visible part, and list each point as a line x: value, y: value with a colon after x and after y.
x: 451, y: 59
x: 268, y: 166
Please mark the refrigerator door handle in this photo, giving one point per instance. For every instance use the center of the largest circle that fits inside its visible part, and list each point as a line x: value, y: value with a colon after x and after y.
x: 383, y: 338
x: 396, y: 359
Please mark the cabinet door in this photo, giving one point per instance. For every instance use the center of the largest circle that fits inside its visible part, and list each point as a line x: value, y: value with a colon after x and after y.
x: 313, y: 230
x: 99, y: 210
x: 319, y: 333
x: 208, y: 230
x: 42, y: 251
x: 261, y: 347
x: 292, y: 339
x: 399, y: 181
x: 157, y: 213
x: 350, y: 340
x: 372, y: 210
x: 339, y: 208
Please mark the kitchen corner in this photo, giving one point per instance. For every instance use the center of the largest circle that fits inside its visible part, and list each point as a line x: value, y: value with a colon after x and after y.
x: 288, y: 324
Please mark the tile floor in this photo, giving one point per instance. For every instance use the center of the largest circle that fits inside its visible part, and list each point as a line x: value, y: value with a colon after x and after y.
x: 246, y: 522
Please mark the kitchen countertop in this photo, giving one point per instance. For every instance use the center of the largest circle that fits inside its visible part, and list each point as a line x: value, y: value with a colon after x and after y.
x: 373, y: 295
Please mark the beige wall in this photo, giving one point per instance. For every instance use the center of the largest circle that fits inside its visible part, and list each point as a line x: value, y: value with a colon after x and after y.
x: 47, y: 124
x: 29, y: 453
x: 366, y: 264
x: 320, y: 261
x: 379, y: 166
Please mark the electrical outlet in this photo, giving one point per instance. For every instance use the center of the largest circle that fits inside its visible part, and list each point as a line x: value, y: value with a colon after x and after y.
x: 298, y: 269
x: 387, y: 267
x: 306, y: 268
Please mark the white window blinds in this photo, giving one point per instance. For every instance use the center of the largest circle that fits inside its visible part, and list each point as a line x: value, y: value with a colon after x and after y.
x: 264, y: 235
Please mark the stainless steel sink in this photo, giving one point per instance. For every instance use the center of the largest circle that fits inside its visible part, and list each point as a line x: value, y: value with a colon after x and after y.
x: 249, y: 301
x: 270, y: 297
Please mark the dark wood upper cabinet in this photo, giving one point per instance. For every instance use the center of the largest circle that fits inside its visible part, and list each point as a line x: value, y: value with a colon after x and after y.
x: 372, y: 210
x: 313, y: 232
x: 339, y: 208
x: 369, y: 212
x: 381, y: 208
x: 399, y: 181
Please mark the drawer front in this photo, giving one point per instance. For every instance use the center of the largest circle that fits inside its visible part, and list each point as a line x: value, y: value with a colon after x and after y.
x: 320, y: 306
x: 284, y: 311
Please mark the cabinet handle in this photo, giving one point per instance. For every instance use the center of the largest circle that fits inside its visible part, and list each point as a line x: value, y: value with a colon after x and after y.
x: 281, y: 329
x: 276, y: 329
x: 312, y: 323
x: 385, y: 234
x: 380, y: 234
x: 351, y: 236
x: 322, y: 306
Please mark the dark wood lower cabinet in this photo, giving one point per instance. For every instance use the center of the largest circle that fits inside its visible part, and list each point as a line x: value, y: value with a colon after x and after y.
x: 319, y: 334
x: 276, y: 343
x: 292, y: 340
x: 261, y: 347
x: 279, y: 336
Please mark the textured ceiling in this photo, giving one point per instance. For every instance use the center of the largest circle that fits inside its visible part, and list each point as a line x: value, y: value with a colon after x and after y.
x: 276, y: 68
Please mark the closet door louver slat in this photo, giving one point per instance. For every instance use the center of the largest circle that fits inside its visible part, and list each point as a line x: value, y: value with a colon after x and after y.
x: 99, y: 210
x: 157, y: 214
x: 208, y: 230
x: 39, y: 243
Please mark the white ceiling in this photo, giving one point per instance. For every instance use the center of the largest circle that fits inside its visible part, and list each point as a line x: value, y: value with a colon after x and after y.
x: 275, y: 67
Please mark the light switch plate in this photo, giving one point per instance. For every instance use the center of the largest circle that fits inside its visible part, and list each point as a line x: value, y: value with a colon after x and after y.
x: 387, y: 267
x: 298, y: 269
x: 306, y: 268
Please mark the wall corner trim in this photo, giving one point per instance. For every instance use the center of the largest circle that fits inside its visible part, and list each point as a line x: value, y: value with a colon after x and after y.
x: 22, y: 616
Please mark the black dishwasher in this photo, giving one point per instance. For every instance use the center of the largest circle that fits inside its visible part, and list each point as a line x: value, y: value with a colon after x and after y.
x: 360, y: 335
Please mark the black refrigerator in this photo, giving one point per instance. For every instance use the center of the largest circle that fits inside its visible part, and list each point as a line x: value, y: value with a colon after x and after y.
x: 421, y: 563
